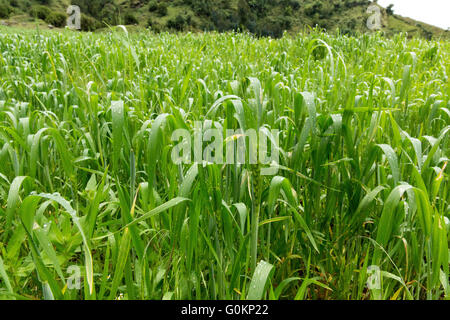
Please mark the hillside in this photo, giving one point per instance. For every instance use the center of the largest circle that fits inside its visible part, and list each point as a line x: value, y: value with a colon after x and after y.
x: 261, y: 17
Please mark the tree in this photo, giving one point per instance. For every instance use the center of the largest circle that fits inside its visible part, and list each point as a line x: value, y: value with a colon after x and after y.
x: 178, y: 23
x: 162, y: 9
x: 4, y: 11
x: 244, y: 12
x: 390, y: 10
x: 130, y: 19
x: 57, y: 19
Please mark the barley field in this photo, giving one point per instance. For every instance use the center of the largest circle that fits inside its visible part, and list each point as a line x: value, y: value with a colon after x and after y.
x: 92, y: 206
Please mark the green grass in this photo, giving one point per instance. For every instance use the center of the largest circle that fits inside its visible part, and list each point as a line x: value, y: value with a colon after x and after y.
x: 88, y: 182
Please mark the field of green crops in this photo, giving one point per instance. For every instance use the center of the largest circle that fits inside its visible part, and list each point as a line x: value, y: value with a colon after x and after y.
x: 93, y: 207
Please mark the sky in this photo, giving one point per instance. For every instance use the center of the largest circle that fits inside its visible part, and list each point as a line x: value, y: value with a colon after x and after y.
x: 434, y: 12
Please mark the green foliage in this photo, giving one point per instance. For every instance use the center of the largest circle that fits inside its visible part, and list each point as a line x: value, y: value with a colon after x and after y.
x: 88, y: 181
x: 89, y: 24
x: 14, y: 3
x: 202, y: 7
x: 273, y: 26
x: 130, y: 18
x: 224, y: 20
x: 109, y: 14
x: 5, y: 10
x: 313, y: 8
x: 98, y: 9
x: 155, y: 26
x: 40, y: 12
x: 161, y: 9
x: 179, y: 22
x: 390, y: 9
x: 153, y: 5
x: 57, y: 19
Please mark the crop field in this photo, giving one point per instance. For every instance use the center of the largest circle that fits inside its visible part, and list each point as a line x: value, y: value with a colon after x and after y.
x: 93, y: 205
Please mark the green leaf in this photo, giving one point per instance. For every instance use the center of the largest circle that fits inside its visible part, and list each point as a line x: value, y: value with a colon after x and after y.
x: 76, y: 220
x: 393, y: 161
x: 5, y: 277
x: 118, y: 121
x: 12, y: 202
x: 260, y: 279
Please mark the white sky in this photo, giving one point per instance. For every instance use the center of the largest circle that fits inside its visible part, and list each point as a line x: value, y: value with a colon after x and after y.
x: 435, y: 12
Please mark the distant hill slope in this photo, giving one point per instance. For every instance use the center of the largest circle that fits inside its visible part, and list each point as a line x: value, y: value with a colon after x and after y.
x: 262, y: 17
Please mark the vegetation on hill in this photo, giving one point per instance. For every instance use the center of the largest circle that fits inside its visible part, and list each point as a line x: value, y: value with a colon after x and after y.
x: 261, y: 17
